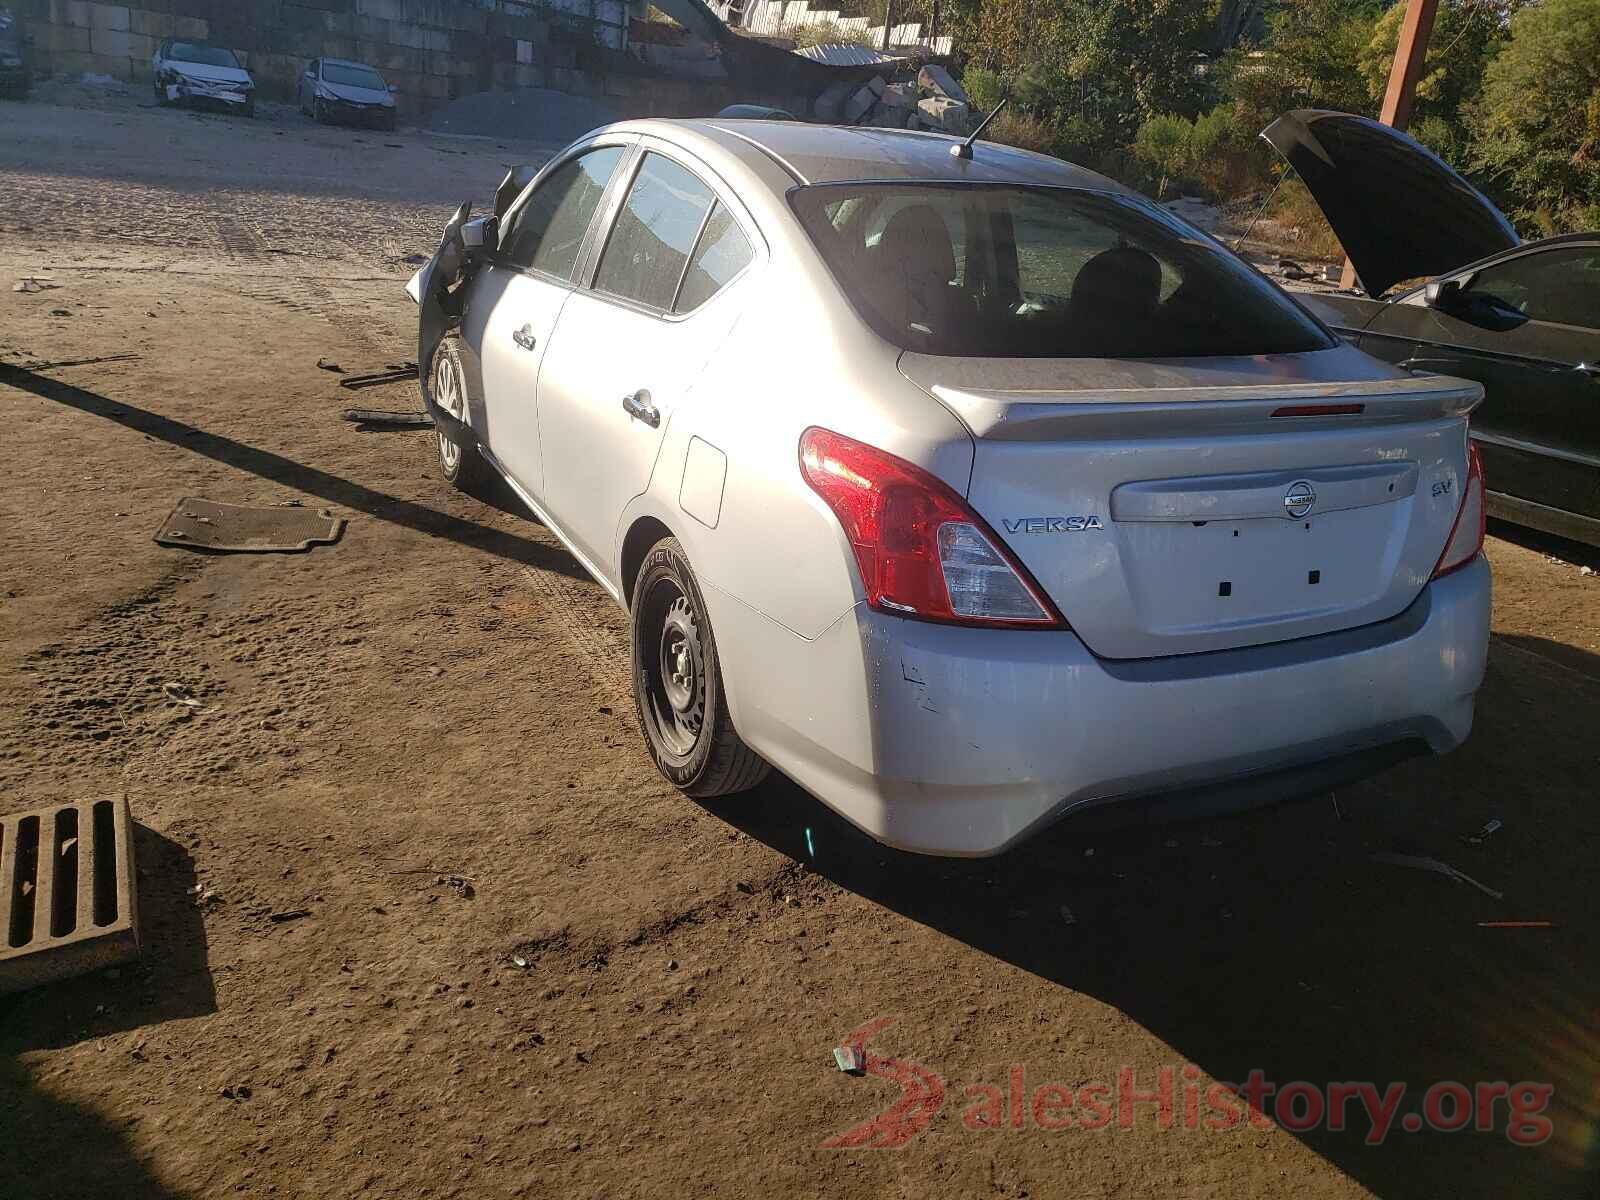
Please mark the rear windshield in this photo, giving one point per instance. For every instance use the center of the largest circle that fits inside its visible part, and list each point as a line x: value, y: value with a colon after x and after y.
x: 361, y: 77
x: 198, y: 52
x: 1002, y: 271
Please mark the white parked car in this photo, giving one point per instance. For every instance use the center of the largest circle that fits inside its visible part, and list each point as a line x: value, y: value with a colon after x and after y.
x: 197, y: 72
x: 966, y: 491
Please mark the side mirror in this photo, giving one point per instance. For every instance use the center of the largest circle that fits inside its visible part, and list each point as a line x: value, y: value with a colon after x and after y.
x: 1443, y: 295
x: 481, y: 235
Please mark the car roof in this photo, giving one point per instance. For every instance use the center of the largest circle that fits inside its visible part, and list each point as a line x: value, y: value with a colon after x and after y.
x: 835, y: 154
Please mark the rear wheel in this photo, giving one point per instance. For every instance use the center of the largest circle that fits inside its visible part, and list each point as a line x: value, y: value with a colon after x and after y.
x: 462, y: 466
x: 677, y: 683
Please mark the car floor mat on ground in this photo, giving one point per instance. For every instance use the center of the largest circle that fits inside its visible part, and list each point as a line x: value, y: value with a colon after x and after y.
x: 210, y: 525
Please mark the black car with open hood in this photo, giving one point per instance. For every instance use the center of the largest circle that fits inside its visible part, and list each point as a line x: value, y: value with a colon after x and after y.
x: 1521, y: 318
x: 1399, y: 211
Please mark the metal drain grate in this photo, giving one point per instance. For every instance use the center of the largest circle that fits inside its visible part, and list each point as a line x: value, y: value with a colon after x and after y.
x: 66, y: 891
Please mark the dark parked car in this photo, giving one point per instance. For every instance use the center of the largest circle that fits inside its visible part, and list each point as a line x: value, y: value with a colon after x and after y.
x: 335, y: 89
x: 15, y: 75
x: 1472, y: 300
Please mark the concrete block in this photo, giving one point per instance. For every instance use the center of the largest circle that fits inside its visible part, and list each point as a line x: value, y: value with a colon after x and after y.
x: 194, y: 28
x: 934, y: 80
x: 62, y: 39
x: 946, y: 115
x: 150, y: 24
x: 435, y: 87
x: 113, y: 43
x: 829, y: 106
x: 388, y: 10
x: 858, y: 105
x: 113, y: 17
x: 527, y: 76
x: 900, y: 95
x: 70, y: 12
x: 68, y: 899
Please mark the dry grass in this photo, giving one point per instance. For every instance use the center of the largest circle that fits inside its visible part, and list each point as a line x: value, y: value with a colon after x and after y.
x: 1022, y: 131
x: 1293, y: 208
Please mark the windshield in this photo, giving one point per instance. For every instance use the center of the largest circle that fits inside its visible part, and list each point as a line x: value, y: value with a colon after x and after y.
x: 198, y: 52
x: 1006, y: 271
x: 353, y: 76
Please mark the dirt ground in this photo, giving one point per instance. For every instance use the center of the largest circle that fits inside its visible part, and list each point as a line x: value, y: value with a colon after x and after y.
x: 422, y: 736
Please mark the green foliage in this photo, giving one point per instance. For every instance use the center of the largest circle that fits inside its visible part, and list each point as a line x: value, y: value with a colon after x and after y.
x: 1536, y: 124
x: 1510, y: 88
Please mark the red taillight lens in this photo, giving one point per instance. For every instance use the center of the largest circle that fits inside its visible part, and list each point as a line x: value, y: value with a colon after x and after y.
x: 1466, y: 535
x: 921, y: 551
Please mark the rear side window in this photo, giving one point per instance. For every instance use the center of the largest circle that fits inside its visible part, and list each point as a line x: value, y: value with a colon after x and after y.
x: 548, y: 230
x: 1006, y: 271
x: 654, y: 234
x: 722, y: 252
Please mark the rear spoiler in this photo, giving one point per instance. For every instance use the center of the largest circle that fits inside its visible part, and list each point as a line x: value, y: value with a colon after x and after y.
x: 1120, y: 414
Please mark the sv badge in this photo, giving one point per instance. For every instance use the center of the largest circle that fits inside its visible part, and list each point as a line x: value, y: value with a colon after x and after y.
x: 1053, y: 524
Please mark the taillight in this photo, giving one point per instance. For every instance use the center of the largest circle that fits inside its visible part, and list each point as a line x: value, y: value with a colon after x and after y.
x: 1466, y: 535
x: 921, y: 551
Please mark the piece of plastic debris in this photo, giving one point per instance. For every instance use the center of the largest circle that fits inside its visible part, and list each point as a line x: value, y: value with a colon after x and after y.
x: 293, y: 914
x: 327, y: 364
x: 849, y: 1058
x: 1067, y: 917
x: 1585, y: 570
x: 34, y: 283
x: 458, y: 884
x: 519, y: 962
x: 179, y: 694
x: 1422, y: 863
x: 1516, y: 924
x: 1489, y: 830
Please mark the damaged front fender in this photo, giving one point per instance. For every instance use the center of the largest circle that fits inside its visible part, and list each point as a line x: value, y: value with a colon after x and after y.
x: 439, y: 290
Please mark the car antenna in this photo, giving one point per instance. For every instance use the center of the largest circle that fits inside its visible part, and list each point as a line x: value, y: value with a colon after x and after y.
x: 964, y: 149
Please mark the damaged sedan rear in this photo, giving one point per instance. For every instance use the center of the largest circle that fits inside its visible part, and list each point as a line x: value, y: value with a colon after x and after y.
x: 966, y: 487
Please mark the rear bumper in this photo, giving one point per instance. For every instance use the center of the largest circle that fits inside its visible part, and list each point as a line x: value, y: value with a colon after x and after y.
x: 958, y: 741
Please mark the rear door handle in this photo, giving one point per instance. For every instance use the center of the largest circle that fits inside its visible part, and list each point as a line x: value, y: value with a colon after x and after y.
x: 638, y: 405
x: 524, y: 337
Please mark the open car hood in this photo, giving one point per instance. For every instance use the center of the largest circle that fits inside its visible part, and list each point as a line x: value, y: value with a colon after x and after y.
x: 1394, y: 205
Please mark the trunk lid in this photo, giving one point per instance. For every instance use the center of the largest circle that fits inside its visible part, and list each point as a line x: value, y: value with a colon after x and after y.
x: 1183, y: 506
x: 1398, y: 210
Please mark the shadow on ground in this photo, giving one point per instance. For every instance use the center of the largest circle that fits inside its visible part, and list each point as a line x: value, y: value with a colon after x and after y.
x: 1271, y: 941
x: 53, y: 1148
x: 332, y: 488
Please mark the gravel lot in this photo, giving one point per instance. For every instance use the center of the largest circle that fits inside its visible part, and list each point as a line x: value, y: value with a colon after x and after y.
x: 422, y: 736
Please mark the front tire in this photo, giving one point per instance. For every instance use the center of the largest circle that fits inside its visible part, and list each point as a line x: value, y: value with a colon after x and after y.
x: 677, y: 683
x: 461, y: 466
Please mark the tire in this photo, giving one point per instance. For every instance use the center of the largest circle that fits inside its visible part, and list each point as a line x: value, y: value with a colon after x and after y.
x: 677, y: 683
x: 461, y: 466
x: 319, y: 112
x: 250, y: 107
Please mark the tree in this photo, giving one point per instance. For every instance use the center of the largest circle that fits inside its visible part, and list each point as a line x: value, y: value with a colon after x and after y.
x: 1536, y: 124
x: 1467, y: 34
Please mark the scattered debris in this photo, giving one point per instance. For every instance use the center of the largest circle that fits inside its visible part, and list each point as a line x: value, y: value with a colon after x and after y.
x: 458, y: 884
x: 850, y: 1059
x: 1422, y: 863
x: 237, y: 1092
x: 179, y: 693
x: 393, y: 420
x: 292, y: 914
x: 327, y: 364
x: 212, y: 525
x: 519, y: 962
x: 1290, y: 269
x: 1488, y: 831
x: 672, y: 964
x: 34, y: 283
x: 397, y: 373
x: 205, y: 897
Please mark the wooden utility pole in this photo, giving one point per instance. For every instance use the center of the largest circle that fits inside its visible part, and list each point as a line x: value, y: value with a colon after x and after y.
x: 888, y: 24
x: 1409, y: 54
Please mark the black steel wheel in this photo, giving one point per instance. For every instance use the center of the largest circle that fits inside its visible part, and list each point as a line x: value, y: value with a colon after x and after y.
x: 677, y: 683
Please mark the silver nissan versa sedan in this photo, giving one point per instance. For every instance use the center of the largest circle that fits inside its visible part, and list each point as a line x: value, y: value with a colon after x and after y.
x: 962, y: 485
